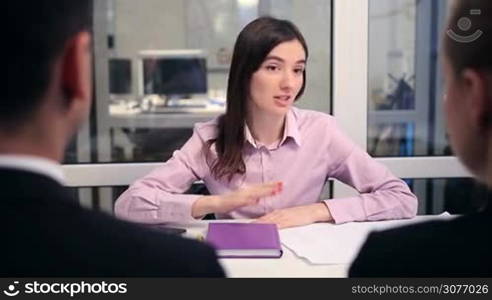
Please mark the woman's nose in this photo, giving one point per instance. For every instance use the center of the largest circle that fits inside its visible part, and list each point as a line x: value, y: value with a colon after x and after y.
x: 287, y: 81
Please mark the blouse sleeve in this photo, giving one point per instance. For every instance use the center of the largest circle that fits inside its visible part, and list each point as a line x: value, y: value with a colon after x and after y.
x: 382, y: 196
x: 157, y: 197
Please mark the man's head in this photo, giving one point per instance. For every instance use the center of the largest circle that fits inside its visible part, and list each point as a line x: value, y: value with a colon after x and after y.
x: 48, y: 65
x: 467, y: 64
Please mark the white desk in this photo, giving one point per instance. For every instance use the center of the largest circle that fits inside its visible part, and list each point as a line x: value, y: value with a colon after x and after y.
x: 289, y: 265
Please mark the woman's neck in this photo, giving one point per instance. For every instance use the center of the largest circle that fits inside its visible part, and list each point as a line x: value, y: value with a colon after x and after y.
x: 266, y: 128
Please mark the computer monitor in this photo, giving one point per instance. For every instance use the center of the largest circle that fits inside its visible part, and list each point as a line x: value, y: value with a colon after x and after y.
x: 120, y: 76
x: 175, y: 74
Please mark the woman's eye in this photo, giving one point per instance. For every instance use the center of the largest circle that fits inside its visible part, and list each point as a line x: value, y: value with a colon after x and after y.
x: 271, y: 68
x: 299, y: 71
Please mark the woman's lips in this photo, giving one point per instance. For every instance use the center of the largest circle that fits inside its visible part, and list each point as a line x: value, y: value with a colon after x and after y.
x: 282, y: 101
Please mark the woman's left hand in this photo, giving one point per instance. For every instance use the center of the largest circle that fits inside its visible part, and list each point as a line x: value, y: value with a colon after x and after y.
x: 297, y: 216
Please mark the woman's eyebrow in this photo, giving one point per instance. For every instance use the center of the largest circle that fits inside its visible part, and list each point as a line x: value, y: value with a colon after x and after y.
x: 277, y: 58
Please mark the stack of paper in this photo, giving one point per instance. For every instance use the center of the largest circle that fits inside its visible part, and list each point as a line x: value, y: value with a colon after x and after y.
x: 338, y: 244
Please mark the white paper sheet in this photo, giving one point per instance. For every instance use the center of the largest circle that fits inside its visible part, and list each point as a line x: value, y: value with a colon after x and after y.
x: 323, y: 243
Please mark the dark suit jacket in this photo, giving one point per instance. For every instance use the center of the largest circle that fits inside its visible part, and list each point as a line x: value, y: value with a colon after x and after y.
x: 456, y: 248
x: 46, y: 233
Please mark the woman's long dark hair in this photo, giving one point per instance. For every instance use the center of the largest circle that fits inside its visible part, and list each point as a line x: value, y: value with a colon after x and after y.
x: 252, y: 46
x: 470, y: 52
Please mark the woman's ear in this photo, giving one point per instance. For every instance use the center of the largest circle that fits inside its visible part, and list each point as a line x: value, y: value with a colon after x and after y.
x: 477, y: 97
x: 76, y: 77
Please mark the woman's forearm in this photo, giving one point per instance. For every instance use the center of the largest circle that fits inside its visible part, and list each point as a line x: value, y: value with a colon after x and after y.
x: 204, y: 205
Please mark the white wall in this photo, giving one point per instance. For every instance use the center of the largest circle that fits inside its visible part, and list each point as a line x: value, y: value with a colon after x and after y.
x: 313, y: 19
x: 148, y: 24
x: 144, y: 25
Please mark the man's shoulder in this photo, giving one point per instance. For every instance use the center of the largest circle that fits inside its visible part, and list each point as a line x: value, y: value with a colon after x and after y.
x: 73, y: 241
x: 435, y: 248
x: 437, y: 231
x: 157, y: 253
x: 141, y: 243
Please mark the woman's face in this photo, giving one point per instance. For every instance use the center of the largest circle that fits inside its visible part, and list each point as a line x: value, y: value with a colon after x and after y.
x: 275, y: 85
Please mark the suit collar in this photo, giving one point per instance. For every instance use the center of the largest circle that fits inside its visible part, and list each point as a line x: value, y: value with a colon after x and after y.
x: 34, y: 164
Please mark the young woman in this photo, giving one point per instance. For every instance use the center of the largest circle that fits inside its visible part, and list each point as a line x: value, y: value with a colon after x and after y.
x: 264, y: 158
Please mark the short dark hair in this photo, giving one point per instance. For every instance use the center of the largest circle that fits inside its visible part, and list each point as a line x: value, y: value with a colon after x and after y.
x: 472, y: 53
x: 252, y: 46
x: 37, y: 32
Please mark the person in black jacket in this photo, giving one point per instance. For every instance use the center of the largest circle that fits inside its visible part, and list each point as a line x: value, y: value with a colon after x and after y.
x: 461, y: 247
x: 44, y: 231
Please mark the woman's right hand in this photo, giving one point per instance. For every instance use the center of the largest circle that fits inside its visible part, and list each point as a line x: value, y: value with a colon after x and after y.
x: 246, y: 196
x: 250, y: 195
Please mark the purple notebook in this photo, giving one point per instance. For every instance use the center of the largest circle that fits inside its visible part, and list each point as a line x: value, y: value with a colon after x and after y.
x: 245, y: 240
